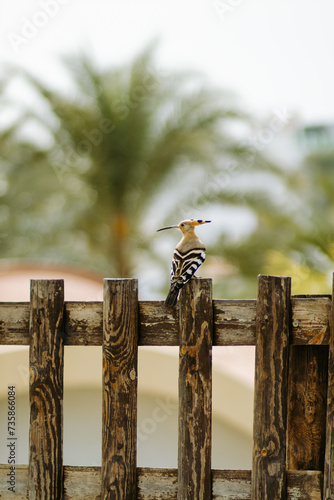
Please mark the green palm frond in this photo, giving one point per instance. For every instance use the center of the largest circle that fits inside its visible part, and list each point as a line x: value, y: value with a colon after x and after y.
x: 121, y: 141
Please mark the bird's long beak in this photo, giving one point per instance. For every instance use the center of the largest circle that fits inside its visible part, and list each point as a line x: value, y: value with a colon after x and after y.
x: 167, y: 227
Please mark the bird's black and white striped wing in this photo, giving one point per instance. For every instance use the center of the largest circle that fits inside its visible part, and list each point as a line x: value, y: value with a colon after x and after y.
x: 184, y: 265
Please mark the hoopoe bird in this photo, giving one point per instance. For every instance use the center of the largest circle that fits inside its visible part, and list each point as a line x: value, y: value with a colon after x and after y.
x: 189, y: 254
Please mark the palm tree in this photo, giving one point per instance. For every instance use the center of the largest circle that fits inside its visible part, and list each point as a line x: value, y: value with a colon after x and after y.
x: 313, y: 240
x: 296, y: 239
x: 124, y: 146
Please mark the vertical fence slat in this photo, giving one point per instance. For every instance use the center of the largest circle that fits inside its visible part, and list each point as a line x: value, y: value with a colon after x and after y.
x: 119, y: 413
x: 307, y: 407
x: 46, y: 389
x: 329, y: 448
x: 195, y: 390
x: 270, y: 399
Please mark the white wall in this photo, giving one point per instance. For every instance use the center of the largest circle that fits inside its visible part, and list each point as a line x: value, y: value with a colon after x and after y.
x: 157, y: 409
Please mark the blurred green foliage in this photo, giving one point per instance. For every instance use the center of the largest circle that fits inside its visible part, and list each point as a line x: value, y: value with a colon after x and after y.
x: 88, y: 174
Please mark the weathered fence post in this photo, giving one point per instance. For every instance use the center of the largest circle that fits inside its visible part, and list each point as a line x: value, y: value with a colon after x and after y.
x: 328, y: 493
x: 46, y: 389
x: 270, y: 399
x: 195, y: 391
x: 293, y: 452
x: 119, y: 413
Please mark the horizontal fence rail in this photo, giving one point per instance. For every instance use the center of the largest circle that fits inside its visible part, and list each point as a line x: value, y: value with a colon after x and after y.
x: 234, y: 322
x: 84, y: 483
x: 293, y: 396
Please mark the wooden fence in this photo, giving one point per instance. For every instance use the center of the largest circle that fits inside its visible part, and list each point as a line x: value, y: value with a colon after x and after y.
x: 293, y: 403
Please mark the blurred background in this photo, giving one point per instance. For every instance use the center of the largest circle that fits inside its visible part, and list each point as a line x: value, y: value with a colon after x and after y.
x: 117, y: 118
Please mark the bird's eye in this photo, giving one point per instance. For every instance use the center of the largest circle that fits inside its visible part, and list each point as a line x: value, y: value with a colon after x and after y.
x: 182, y: 224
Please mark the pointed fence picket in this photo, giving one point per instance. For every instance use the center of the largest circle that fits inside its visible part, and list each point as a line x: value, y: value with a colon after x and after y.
x: 293, y: 403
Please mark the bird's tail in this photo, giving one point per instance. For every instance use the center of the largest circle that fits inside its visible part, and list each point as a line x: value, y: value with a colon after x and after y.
x: 173, y: 294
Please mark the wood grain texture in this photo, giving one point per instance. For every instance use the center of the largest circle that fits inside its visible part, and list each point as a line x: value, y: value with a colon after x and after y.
x: 119, y: 408
x: 304, y: 326
x: 84, y: 483
x: 328, y: 493
x: 307, y: 407
x: 158, y: 324
x: 157, y: 484
x: 234, y: 322
x: 231, y: 484
x: 270, y: 397
x: 304, y: 485
x: 83, y: 323
x: 14, y: 323
x: 46, y: 389
x: 21, y: 482
x: 310, y: 320
x: 195, y: 390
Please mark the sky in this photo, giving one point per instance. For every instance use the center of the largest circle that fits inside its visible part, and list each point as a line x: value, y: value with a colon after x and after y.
x: 273, y: 54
